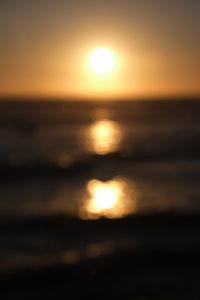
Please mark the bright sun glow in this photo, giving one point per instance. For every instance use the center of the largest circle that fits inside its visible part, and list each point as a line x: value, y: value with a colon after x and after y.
x: 105, y: 136
x: 105, y: 195
x: 102, y: 60
x: 112, y: 199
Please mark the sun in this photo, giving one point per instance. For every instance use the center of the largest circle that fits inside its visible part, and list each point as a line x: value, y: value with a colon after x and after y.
x: 102, y: 60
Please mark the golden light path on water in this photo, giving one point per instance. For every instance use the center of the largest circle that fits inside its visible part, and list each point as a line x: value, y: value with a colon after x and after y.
x: 104, y: 137
x: 112, y: 199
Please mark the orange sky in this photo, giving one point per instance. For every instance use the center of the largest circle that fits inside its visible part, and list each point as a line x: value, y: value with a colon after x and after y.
x: 45, y: 48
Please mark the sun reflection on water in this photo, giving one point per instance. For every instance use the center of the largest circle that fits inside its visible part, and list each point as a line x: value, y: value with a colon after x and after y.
x: 104, y: 136
x: 112, y: 199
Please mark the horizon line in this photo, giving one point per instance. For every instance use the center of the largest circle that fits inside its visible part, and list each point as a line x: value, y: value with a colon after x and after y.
x: 38, y: 97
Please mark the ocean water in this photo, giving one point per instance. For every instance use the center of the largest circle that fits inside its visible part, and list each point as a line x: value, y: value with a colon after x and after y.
x: 51, y: 151
x: 99, y: 188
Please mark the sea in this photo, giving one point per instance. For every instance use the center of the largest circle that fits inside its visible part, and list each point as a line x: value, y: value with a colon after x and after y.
x: 88, y: 185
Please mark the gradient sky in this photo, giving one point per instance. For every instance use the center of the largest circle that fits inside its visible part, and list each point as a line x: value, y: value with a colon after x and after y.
x: 45, y: 47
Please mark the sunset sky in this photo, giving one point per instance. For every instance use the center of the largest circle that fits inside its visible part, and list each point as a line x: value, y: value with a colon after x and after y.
x: 46, y: 45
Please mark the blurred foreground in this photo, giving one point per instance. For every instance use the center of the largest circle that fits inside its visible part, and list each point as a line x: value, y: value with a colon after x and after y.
x: 100, y: 200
